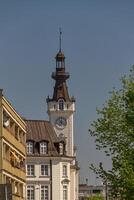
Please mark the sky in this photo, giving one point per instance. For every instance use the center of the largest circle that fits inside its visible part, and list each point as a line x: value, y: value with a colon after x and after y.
x: 98, y: 42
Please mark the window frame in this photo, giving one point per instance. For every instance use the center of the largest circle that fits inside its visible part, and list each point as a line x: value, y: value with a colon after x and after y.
x: 61, y: 104
x: 64, y: 170
x: 31, y: 189
x: 45, y: 190
x: 30, y: 170
x: 65, y: 192
x: 43, y: 147
x: 61, y: 148
x: 41, y: 170
x: 30, y: 147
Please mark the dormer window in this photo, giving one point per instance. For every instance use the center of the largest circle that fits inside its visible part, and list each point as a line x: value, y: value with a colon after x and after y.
x: 43, y: 148
x: 29, y: 147
x: 61, y: 104
x: 61, y: 148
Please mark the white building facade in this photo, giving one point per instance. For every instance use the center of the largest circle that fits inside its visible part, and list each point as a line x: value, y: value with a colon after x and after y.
x: 51, y: 166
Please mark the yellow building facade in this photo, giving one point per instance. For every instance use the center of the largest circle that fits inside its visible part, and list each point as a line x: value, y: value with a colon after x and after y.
x: 12, y: 149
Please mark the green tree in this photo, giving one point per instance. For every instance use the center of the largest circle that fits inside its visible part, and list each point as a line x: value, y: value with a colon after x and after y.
x: 114, y: 133
x: 96, y: 197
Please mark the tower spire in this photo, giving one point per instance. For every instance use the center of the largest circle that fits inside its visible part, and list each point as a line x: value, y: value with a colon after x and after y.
x: 60, y: 76
x: 60, y: 39
x: 60, y: 58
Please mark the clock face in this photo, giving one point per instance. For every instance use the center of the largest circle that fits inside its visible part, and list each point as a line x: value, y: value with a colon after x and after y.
x: 61, y: 122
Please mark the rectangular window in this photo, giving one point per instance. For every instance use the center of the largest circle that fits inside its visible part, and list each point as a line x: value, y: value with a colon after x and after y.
x: 44, y: 192
x: 61, y: 104
x: 44, y: 170
x: 43, y: 147
x: 65, y: 192
x: 30, y: 192
x: 61, y: 148
x: 64, y: 170
x: 29, y: 147
x: 30, y: 170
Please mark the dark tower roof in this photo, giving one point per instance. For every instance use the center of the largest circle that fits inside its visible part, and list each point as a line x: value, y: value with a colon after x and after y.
x: 60, y: 76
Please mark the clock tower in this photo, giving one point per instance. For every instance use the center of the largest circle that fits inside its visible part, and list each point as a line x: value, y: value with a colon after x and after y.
x: 61, y: 106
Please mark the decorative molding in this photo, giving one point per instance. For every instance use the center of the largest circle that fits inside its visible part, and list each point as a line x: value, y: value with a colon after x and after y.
x: 65, y: 181
x: 37, y: 182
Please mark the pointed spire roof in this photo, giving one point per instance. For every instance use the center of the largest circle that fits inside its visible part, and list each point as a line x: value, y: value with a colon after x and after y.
x: 60, y: 39
x: 60, y: 76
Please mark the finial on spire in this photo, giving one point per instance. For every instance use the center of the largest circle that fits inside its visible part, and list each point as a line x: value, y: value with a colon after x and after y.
x: 60, y: 39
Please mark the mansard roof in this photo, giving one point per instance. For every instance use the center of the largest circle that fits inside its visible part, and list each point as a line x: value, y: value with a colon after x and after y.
x: 40, y: 130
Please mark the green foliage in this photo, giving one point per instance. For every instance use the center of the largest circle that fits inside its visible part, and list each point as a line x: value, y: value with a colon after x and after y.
x: 114, y: 133
x: 96, y: 197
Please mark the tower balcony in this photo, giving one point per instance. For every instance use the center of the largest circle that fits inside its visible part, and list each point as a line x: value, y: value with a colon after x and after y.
x: 60, y: 74
x: 54, y: 106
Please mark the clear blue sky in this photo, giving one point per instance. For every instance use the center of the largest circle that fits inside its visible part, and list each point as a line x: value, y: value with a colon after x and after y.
x: 98, y: 42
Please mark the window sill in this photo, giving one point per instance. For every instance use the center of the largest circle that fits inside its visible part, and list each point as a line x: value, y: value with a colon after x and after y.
x: 28, y: 176
x: 42, y: 176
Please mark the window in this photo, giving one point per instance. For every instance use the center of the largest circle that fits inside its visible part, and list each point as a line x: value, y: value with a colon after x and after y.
x: 61, y: 148
x: 30, y: 192
x: 61, y: 104
x: 43, y: 147
x: 44, y: 170
x: 64, y: 170
x: 44, y: 192
x: 65, y: 192
x: 30, y: 170
x: 29, y: 147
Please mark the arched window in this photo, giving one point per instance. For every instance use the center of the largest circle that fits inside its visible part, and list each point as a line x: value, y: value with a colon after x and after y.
x: 61, y: 104
x: 65, y: 192
x: 29, y: 147
x: 43, y: 148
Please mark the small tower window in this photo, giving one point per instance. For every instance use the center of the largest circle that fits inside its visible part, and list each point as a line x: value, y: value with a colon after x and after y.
x: 61, y: 148
x: 61, y: 104
x: 64, y: 172
x: 29, y: 147
x: 43, y: 147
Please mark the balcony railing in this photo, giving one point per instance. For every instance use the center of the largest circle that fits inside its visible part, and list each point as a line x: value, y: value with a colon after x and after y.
x: 13, y: 170
x: 13, y: 140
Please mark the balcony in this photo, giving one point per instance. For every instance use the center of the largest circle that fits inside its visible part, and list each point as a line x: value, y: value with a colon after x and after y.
x: 15, y: 197
x: 11, y: 139
x: 13, y: 170
x: 60, y: 75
